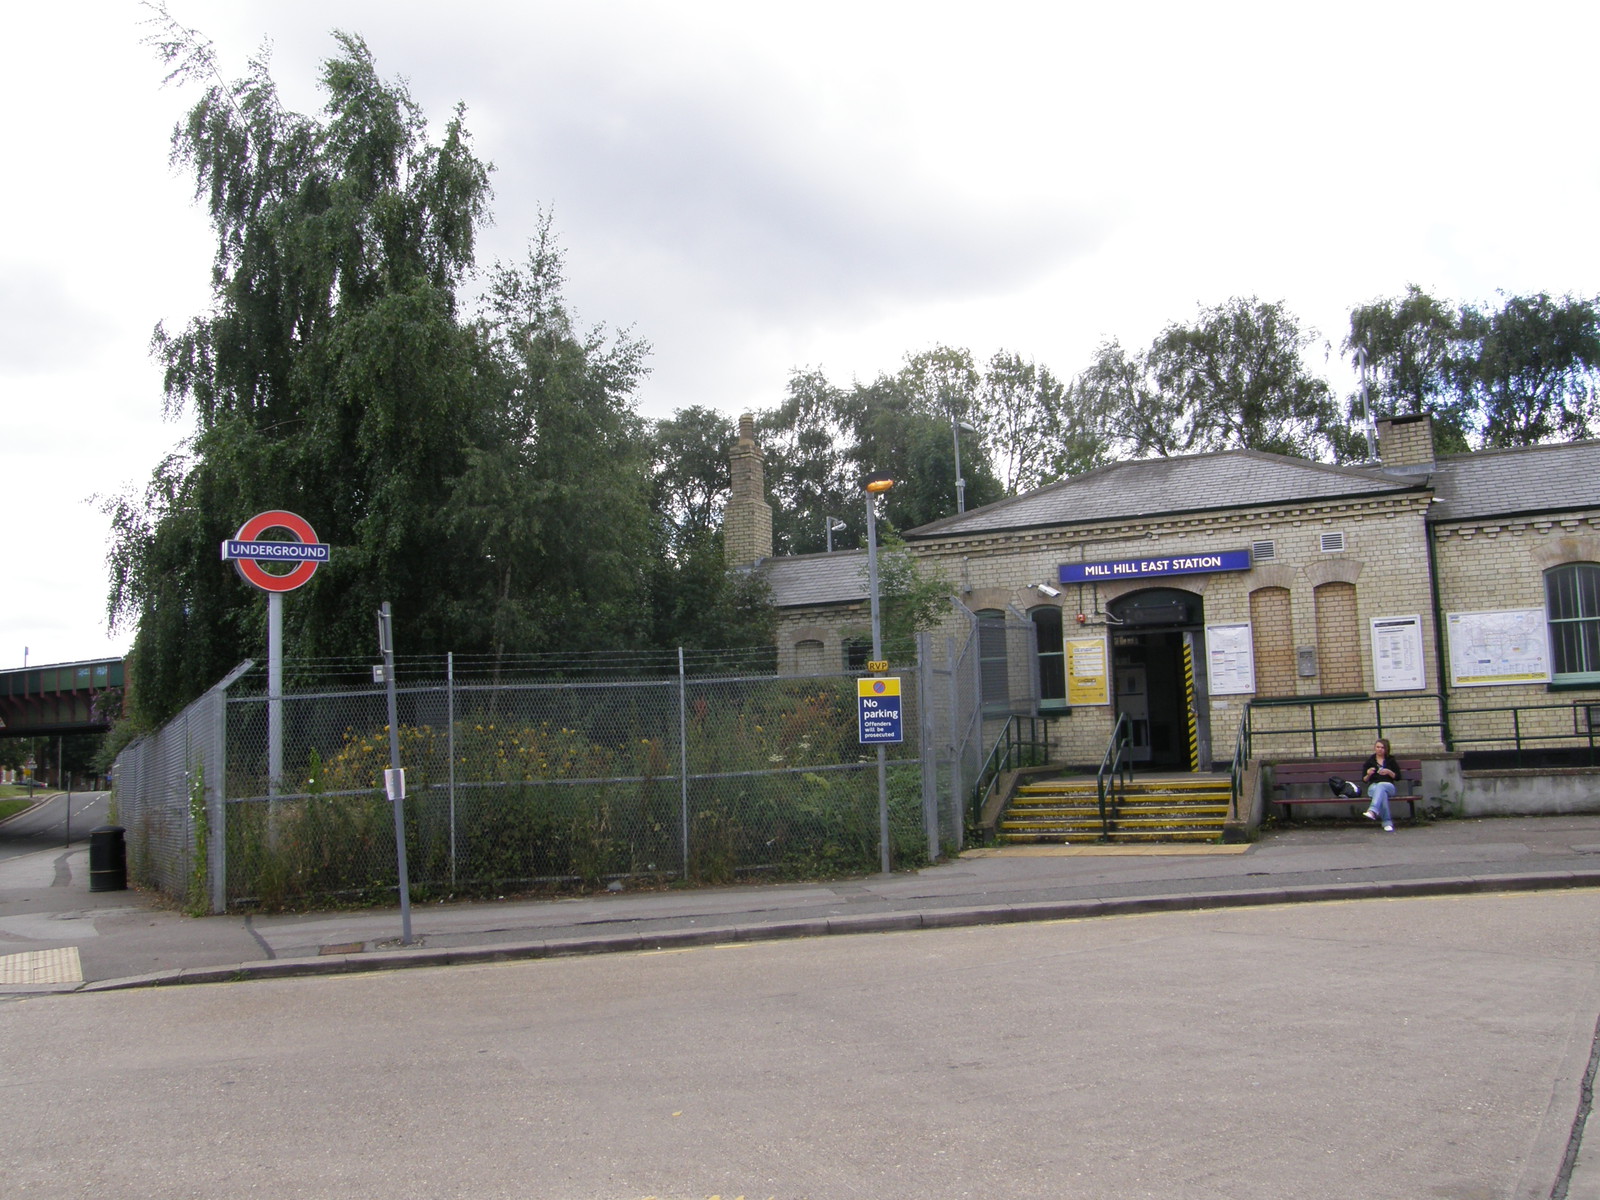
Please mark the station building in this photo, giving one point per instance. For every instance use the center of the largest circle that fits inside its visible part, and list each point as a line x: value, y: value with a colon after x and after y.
x: 1245, y: 600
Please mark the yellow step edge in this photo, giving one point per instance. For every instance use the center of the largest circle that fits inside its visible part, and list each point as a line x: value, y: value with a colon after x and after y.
x: 1176, y: 785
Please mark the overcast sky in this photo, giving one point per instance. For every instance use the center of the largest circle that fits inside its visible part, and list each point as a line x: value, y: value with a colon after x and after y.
x: 755, y: 188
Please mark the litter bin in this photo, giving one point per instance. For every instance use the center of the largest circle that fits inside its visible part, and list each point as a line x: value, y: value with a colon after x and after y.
x: 108, y: 859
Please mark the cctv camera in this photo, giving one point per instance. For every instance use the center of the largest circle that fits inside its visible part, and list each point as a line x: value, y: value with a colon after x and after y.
x: 1048, y: 590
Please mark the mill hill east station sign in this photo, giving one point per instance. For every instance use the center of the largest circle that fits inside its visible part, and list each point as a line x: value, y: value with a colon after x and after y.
x: 1151, y: 568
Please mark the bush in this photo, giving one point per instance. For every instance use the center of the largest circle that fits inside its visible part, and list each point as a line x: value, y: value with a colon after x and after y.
x: 779, y: 788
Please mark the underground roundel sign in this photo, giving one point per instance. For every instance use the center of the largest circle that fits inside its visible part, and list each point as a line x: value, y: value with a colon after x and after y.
x: 247, y: 552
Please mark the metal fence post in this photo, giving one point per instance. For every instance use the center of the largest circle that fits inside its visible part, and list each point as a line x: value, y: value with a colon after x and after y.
x: 683, y: 758
x: 450, y: 748
x: 217, y: 809
x: 926, y: 747
x: 217, y: 795
x: 957, y: 832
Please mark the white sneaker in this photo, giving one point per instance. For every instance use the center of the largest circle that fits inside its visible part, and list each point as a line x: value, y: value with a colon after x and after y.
x: 1370, y: 815
x: 1387, y: 828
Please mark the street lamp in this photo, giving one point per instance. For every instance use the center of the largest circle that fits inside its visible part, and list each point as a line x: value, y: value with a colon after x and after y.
x: 874, y: 486
x: 832, y: 525
x: 957, y: 428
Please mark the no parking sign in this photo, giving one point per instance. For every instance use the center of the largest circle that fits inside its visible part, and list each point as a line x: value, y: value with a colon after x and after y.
x: 878, y: 710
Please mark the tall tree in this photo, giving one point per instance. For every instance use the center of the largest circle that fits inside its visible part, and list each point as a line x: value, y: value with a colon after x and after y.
x: 1236, y: 379
x: 1413, y: 343
x: 1119, y: 384
x: 554, y: 499
x: 896, y: 429
x: 809, y: 475
x: 458, y: 467
x: 1035, y: 427
x: 1532, y: 368
x: 1517, y: 373
x: 695, y: 601
x: 690, y: 471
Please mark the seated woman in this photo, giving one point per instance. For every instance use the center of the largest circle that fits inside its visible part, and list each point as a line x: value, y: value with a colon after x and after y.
x: 1381, y: 776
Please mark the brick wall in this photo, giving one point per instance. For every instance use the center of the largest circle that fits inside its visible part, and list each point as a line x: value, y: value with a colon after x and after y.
x: 1272, y: 637
x: 1384, y: 567
x: 1485, y: 565
x: 1337, y: 631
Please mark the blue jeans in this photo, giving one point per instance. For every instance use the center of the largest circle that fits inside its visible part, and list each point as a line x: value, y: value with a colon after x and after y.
x: 1381, y: 794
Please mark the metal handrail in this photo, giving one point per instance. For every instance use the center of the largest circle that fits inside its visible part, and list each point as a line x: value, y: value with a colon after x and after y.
x: 1584, y: 725
x: 1113, y: 775
x: 1009, y: 752
x: 1583, y: 729
x: 1241, y: 760
x: 1313, y: 703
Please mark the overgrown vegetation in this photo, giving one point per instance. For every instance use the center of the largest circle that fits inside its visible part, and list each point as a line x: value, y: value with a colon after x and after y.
x: 778, y: 789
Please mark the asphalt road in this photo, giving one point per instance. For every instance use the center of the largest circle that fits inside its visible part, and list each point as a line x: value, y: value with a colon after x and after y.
x: 45, y: 824
x: 1426, y: 1047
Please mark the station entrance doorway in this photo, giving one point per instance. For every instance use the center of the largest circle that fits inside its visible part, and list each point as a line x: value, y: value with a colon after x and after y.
x: 1158, y: 671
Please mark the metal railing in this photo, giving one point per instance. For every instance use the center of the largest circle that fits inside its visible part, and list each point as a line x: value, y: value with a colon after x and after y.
x: 1020, y: 744
x: 1517, y: 729
x: 1112, y: 779
x: 1241, y: 760
x: 1326, y: 731
x: 1566, y: 725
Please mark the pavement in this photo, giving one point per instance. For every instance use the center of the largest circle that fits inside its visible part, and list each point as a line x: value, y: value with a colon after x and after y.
x: 133, y: 939
x: 57, y: 936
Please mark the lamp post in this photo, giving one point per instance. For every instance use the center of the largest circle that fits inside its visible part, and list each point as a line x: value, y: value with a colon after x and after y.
x: 832, y: 525
x: 957, y: 428
x: 873, y: 486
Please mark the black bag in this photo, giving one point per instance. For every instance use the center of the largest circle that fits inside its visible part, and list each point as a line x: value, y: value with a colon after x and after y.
x: 1343, y: 788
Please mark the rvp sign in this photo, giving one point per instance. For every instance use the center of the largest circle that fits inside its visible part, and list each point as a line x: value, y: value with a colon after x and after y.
x: 247, y: 553
x: 878, y: 710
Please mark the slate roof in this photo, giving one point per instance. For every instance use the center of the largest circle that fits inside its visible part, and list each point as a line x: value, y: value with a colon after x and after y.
x: 1154, y: 487
x: 1488, y: 483
x: 806, y: 579
x: 1524, y: 479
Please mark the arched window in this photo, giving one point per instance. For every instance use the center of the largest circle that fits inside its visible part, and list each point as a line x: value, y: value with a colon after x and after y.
x: 1052, y: 656
x: 1572, y: 604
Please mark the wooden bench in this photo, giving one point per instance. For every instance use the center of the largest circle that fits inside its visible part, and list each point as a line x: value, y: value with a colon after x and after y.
x: 1408, y: 786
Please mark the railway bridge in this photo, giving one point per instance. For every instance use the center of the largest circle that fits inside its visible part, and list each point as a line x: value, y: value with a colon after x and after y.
x: 77, y: 697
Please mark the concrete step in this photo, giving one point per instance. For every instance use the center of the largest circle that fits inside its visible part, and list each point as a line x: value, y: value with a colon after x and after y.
x: 1205, y: 783
x: 1152, y: 810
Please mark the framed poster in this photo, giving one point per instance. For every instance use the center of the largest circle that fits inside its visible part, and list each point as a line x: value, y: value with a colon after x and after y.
x: 1508, y: 645
x: 1397, y: 654
x: 1230, y: 659
x: 1088, y: 681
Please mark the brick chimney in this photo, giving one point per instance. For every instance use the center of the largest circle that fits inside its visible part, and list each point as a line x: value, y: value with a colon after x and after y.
x: 747, y: 521
x: 1405, y: 444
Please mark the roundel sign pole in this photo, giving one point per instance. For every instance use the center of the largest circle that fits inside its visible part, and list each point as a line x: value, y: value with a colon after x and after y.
x: 248, y: 553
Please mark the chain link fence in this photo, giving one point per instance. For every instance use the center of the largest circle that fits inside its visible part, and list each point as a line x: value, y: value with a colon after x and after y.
x: 166, y: 784
x: 521, y: 786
